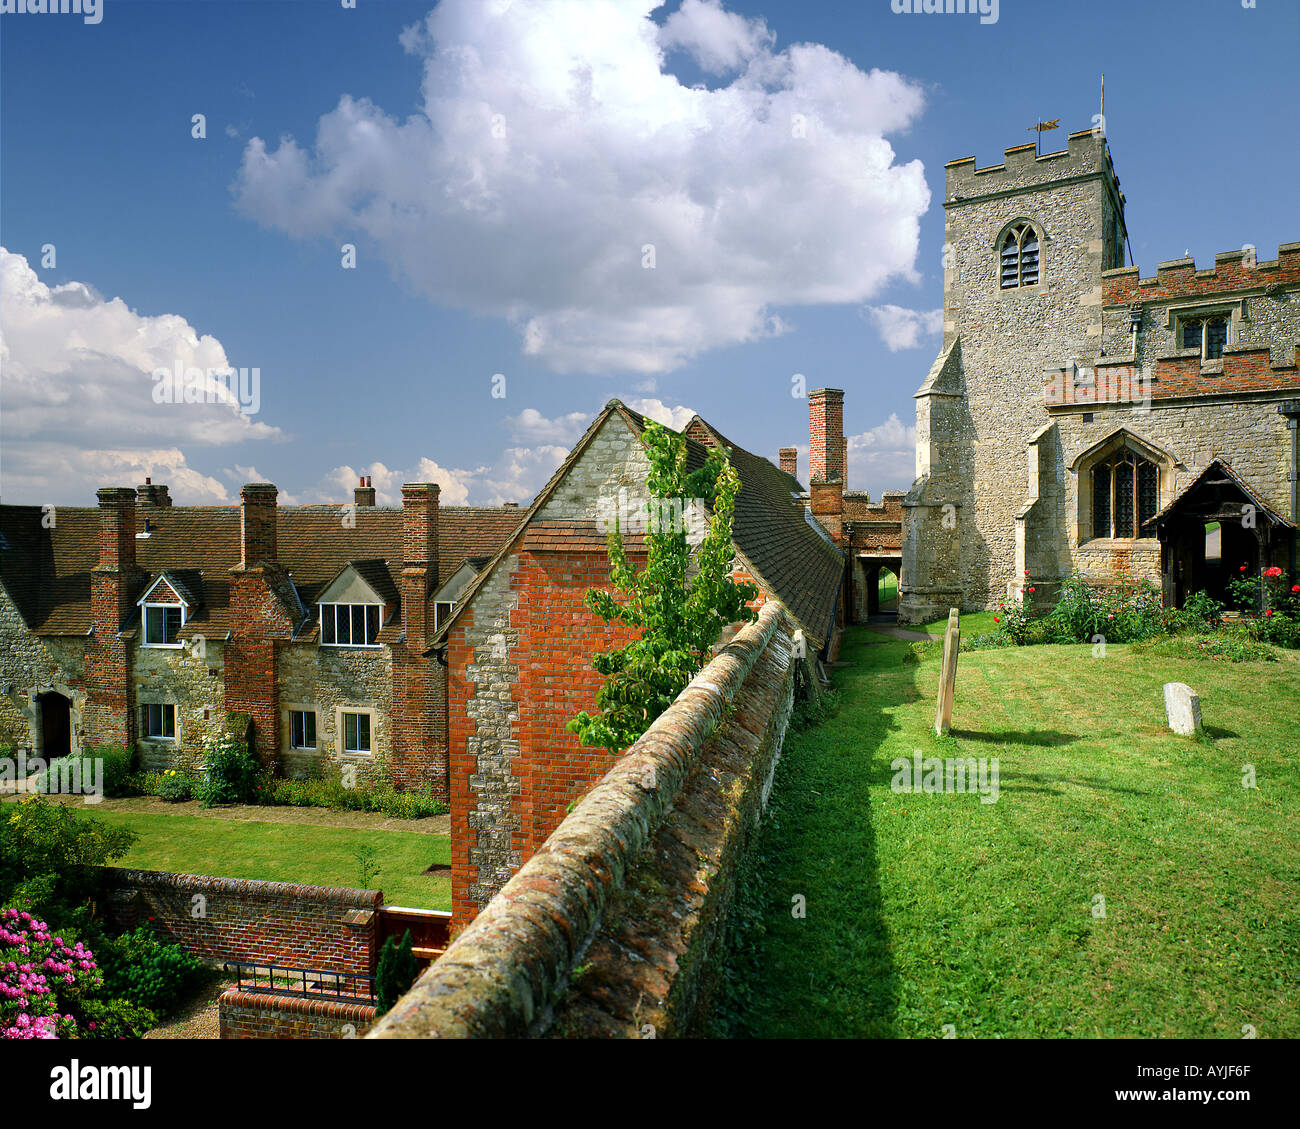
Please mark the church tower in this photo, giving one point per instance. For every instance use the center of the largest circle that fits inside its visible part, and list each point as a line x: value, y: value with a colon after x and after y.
x: 1026, y: 242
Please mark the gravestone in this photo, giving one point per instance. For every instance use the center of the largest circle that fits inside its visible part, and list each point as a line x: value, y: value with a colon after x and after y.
x: 1183, y: 708
x: 948, y: 675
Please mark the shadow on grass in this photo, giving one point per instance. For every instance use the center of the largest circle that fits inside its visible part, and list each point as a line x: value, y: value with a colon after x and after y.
x: 1041, y: 738
x: 831, y: 974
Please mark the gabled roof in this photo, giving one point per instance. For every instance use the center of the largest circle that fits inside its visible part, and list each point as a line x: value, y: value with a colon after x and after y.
x: 1218, y: 467
x: 185, y: 583
x: 47, y: 571
x: 775, y: 544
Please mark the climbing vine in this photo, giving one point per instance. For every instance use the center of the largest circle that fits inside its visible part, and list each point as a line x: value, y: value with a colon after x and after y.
x: 681, y: 600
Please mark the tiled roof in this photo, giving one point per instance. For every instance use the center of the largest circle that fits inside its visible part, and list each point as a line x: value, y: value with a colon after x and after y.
x: 1217, y: 466
x: 47, y: 571
x: 580, y: 536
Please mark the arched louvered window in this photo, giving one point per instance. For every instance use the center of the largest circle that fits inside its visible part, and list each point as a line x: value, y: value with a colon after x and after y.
x: 1125, y: 495
x: 1019, y: 263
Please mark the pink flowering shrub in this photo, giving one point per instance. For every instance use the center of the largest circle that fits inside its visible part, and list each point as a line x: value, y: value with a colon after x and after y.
x: 42, y: 979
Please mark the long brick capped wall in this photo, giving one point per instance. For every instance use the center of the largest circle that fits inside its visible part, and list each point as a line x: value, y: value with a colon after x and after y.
x: 227, y: 919
x: 262, y: 1015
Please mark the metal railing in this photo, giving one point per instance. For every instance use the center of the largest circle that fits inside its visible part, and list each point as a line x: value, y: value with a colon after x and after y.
x: 304, y: 983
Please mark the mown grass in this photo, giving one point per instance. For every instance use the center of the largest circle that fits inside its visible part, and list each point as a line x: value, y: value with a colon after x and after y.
x: 926, y: 910
x: 289, y: 852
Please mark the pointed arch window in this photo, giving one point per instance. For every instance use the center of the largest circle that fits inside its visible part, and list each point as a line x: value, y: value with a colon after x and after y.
x: 1125, y: 495
x: 1019, y: 259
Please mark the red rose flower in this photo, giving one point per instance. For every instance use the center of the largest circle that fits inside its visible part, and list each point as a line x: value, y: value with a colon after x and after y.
x: 1269, y: 611
x: 1031, y: 590
x: 1295, y: 587
x: 1243, y: 568
x: 996, y: 620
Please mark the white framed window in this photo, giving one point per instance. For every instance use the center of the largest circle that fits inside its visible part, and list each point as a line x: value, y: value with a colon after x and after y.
x: 441, y: 613
x: 162, y: 624
x: 356, y: 732
x: 350, y: 625
x: 302, y: 729
x: 158, y: 721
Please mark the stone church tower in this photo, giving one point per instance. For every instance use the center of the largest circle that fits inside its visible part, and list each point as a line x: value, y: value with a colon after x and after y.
x: 1079, y: 417
x: 1026, y: 242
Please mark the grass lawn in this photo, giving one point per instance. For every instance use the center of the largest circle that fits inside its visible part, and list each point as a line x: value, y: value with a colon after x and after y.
x: 927, y: 910
x: 290, y: 852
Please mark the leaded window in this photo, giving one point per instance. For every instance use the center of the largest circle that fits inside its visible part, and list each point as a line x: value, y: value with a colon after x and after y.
x: 1208, y: 335
x: 1019, y: 259
x: 1125, y: 495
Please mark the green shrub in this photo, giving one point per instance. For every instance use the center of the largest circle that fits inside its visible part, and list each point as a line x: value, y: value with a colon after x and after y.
x: 50, y: 855
x: 175, y: 786
x: 115, y: 1019
x: 233, y: 772
x: 395, y: 972
x: 1230, y: 646
x: 148, y: 971
x: 330, y: 792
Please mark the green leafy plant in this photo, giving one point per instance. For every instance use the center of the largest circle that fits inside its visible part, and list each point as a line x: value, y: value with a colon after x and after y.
x: 367, y: 868
x: 175, y: 786
x: 394, y: 973
x: 232, y: 772
x: 680, y: 601
x: 149, y: 971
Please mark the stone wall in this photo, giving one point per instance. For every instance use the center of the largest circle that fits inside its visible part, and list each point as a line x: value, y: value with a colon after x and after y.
x: 30, y: 664
x: 193, y: 682
x: 330, y: 680
x: 632, y: 885
x: 229, y: 919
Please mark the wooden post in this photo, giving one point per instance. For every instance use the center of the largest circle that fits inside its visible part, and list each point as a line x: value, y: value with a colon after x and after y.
x: 948, y: 675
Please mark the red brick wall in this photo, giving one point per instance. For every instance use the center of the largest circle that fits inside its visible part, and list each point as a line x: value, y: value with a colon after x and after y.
x: 419, y: 721
x: 1182, y: 282
x: 258, y: 1015
x: 557, y: 638
x: 1243, y: 371
x: 325, y: 927
x: 252, y: 682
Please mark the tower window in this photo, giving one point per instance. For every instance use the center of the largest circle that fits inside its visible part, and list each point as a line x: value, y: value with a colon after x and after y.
x: 1125, y: 495
x: 1019, y: 259
x: 1207, y: 335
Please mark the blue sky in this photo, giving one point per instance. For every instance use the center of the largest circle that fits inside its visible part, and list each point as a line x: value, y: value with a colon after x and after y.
x: 500, y: 168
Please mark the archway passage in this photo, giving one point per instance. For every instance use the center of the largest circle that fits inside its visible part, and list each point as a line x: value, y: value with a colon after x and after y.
x: 1217, y: 529
x: 56, y: 725
x: 877, y: 577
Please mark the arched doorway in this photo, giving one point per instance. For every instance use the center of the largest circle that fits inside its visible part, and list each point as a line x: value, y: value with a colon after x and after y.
x: 56, y: 725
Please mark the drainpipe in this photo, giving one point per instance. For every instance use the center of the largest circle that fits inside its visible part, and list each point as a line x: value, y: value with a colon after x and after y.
x: 1291, y: 409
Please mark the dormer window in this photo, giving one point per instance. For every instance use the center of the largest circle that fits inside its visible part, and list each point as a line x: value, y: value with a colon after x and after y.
x: 350, y: 625
x: 162, y: 624
x: 1019, y: 257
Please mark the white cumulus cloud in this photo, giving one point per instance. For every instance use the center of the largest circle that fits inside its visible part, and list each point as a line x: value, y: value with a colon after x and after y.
x: 883, y: 458
x: 79, y: 409
x: 901, y: 328
x: 556, y: 175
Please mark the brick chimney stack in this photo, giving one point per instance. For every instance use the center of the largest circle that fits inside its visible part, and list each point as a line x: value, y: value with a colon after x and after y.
x: 827, y: 446
x: 364, y: 494
x: 790, y: 461
x: 115, y: 583
x: 420, y: 557
x: 117, y: 528
x: 257, y: 524
x: 150, y: 495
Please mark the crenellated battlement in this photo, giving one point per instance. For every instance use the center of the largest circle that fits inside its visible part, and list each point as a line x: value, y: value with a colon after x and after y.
x: 1232, y: 271
x: 1085, y: 155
